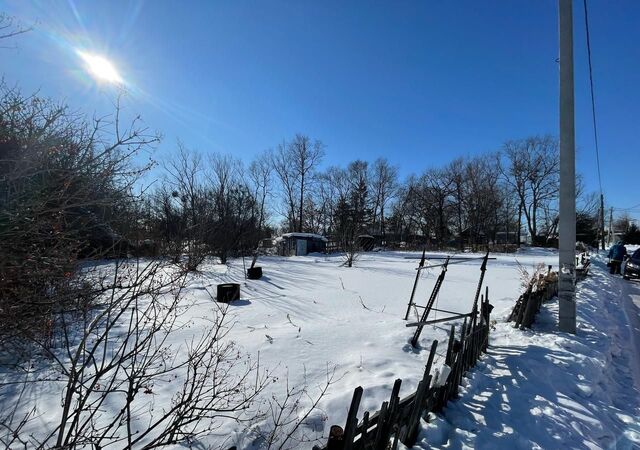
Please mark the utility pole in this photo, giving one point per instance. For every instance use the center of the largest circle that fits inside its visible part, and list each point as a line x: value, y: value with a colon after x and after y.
x: 611, y: 225
x: 602, y: 220
x: 567, y: 226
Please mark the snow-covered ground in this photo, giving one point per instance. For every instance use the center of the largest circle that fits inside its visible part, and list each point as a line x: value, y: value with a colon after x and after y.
x: 308, y: 315
x: 546, y: 389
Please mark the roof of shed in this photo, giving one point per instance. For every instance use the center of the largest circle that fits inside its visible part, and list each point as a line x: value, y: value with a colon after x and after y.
x: 302, y: 235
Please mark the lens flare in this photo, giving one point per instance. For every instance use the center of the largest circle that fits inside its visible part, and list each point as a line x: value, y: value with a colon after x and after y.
x: 100, y: 68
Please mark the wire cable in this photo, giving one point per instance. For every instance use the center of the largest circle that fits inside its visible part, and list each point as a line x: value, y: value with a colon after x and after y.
x: 631, y: 208
x: 593, y: 101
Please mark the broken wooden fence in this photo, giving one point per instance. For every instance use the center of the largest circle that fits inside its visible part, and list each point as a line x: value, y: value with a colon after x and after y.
x: 398, y: 420
x: 435, y: 292
x: 583, y: 264
x: 539, y: 290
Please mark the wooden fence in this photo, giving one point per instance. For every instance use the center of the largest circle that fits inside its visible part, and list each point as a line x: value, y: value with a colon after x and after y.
x: 540, y: 289
x: 583, y: 264
x: 399, y: 419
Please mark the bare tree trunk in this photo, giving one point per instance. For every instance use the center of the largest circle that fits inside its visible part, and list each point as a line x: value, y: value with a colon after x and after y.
x: 519, y: 224
x: 460, y: 223
x: 534, y: 225
x: 301, y: 202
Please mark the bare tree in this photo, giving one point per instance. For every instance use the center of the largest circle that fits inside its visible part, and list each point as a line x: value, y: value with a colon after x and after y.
x: 455, y: 171
x: 286, y: 174
x: 353, y: 211
x: 622, y: 223
x: 532, y: 169
x: 166, y: 221
x: 384, y: 185
x: 261, y: 174
x: 358, y: 176
x: 10, y: 27
x: 332, y: 185
x: 346, y: 230
x: 294, y: 163
x: 403, y: 217
x: 306, y: 156
x: 186, y: 176
x: 438, y: 194
x: 326, y: 199
x: 232, y: 215
x: 483, y: 200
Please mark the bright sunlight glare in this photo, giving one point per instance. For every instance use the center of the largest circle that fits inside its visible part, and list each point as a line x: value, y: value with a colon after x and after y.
x: 100, y: 68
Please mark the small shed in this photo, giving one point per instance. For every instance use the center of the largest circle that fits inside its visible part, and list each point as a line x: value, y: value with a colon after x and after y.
x: 366, y: 242
x: 300, y: 244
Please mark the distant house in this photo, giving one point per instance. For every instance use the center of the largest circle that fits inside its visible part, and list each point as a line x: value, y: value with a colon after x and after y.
x: 504, y: 237
x: 300, y: 244
x: 267, y: 243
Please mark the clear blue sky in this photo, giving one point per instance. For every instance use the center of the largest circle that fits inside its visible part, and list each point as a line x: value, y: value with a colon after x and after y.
x: 418, y: 82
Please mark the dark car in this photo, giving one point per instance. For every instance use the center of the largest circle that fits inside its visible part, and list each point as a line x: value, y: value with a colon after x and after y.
x: 632, y: 266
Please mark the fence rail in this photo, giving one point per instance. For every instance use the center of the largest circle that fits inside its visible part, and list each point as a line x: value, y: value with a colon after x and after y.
x: 399, y: 419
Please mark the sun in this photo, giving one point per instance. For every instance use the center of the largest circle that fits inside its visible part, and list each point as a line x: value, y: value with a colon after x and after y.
x: 100, y: 68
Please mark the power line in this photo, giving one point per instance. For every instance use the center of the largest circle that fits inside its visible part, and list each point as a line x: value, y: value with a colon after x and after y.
x: 631, y: 208
x: 593, y: 102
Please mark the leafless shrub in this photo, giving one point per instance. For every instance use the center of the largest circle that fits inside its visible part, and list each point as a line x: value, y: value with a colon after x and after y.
x: 529, y: 277
x: 351, y: 252
x: 64, y: 182
x: 295, y: 419
x: 104, y: 334
x: 110, y: 361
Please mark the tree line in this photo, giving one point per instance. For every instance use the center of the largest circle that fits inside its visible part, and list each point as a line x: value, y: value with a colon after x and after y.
x: 216, y: 205
x: 62, y: 178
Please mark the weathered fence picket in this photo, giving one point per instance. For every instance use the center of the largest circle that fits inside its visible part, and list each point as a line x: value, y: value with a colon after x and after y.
x: 398, y: 420
x: 352, y: 420
x: 415, y: 283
